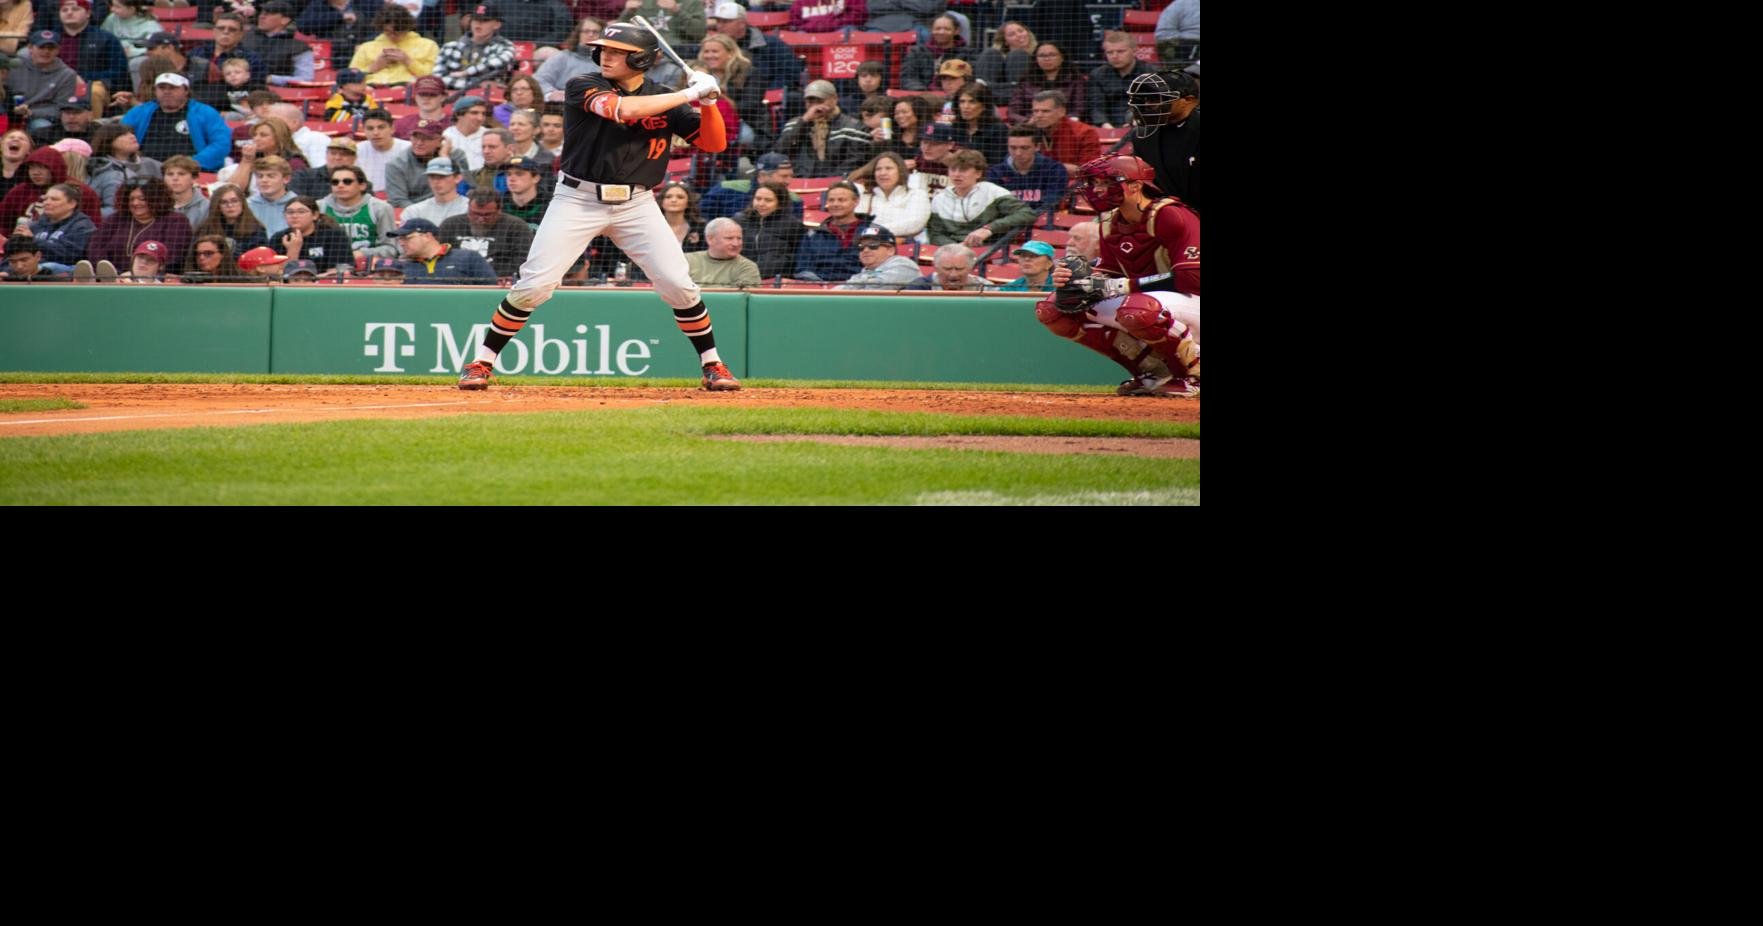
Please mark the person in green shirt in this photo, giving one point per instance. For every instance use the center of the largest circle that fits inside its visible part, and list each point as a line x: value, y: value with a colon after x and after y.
x: 366, y: 221
x: 721, y: 263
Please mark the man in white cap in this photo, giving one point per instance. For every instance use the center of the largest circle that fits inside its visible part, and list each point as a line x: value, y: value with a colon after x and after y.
x: 174, y: 124
x: 775, y: 64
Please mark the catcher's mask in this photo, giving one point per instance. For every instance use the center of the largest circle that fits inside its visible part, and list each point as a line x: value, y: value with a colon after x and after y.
x: 1149, y: 95
x: 1102, y: 178
x: 634, y: 39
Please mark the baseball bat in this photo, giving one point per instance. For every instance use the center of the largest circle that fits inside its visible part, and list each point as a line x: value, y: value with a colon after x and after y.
x: 664, y: 46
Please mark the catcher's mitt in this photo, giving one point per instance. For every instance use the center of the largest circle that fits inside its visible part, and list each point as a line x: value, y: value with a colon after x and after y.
x: 1076, y: 296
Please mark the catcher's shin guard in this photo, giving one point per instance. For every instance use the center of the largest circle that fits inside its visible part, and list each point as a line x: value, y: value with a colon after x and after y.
x: 1129, y: 352
x: 1145, y: 318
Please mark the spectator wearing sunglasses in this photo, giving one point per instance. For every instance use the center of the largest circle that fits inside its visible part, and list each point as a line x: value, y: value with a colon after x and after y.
x: 366, y: 220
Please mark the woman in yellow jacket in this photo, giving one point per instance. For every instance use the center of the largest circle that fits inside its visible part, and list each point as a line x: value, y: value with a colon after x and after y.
x: 399, y: 55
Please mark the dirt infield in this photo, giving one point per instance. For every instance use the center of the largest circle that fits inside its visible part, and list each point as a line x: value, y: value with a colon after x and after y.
x: 123, y: 406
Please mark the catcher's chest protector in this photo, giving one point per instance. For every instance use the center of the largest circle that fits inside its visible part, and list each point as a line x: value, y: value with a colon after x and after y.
x: 1143, y: 254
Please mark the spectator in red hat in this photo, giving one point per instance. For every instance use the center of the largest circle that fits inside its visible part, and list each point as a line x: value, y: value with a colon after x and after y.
x: 149, y: 264
x: 430, y: 94
x: 263, y: 262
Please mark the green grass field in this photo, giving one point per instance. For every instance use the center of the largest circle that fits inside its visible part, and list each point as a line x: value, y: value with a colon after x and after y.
x: 647, y: 456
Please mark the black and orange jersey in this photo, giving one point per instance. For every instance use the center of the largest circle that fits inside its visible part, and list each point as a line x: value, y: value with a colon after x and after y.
x: 598, y: 149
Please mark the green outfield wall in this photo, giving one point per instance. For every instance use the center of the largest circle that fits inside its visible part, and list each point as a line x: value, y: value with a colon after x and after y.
x: 602, y: 331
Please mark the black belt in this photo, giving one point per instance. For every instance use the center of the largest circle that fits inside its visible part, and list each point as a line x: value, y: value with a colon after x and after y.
x: 588, y: 186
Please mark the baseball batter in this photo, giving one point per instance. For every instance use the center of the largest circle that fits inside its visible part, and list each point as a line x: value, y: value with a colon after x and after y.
x: 618, y: 128
x: 1145, y: 315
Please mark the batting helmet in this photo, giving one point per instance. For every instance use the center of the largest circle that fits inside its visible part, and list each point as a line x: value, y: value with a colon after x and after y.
x: 1102, y: 178
x: 1149, y: 95
x: 634, y: 39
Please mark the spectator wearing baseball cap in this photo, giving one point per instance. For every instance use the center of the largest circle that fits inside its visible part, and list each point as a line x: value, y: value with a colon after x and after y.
x: 430, y: 96
x: 730, y: 197
x: 43, y: 79
x: 467, y: 131
x: 952, y: 75
x: 263, y: 262
x: 173, y: 124
x: 444, y: 202
x: 428, y: 260
x: 398, y: 55
x: 407, y: 177
x: 481, y: 54
x: 824, y: 142
x: 526, y: 197
x: 352, y: 98
x: 1036, y: 260
x: 925, y: 61
x: 286, y: 59
x: 94, y: 53
x: 883, y: 267
x: 76, y: 123
x: 316, y: 181
x: 936, y: 142
x: 300, y: 271
x: 148, y: 263
x: 384, y: 270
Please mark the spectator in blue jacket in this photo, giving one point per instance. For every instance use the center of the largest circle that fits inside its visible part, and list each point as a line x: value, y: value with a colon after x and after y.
x: 427, y: 260
x: 94, y: 53
x: 1030, y: 175
x: 174, y: 124
x: 62, y: 231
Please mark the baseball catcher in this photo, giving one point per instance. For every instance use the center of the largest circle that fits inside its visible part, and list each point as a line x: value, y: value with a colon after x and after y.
x: 1140, y: 305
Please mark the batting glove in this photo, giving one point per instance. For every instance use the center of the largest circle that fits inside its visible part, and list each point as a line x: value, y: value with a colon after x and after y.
x: 700, y: 85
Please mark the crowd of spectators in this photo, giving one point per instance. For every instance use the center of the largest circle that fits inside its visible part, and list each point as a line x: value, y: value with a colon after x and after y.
x: 351, y: 140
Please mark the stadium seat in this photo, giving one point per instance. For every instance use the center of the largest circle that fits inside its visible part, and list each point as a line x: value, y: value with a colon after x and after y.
x: 768, y: 23
x: 774, y: 102
x: 174, y: 19
x: 1139, y: 20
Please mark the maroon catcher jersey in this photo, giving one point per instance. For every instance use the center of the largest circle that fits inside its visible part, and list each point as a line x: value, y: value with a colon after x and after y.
x: 1129, y: 249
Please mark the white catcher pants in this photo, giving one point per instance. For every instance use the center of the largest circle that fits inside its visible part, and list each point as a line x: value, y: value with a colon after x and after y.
x: 637, y: 227
x: 1185, y: 308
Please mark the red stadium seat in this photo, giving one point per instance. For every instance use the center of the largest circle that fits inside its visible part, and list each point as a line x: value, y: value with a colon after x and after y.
x: 523, y: 51
x: 174, y: 19
x: 768, y: 23
x: 1139, y: 20
x: 774, y: 102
